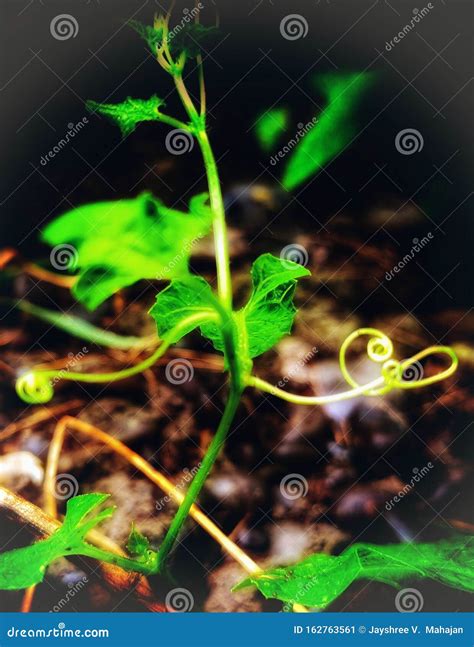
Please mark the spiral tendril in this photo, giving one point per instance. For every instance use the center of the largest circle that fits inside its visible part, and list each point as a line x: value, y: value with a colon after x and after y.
x: 34, y: 387
x: 394, y: 374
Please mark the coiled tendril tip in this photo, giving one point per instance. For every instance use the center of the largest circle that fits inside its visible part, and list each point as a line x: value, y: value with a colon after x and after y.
x: 34, y: 387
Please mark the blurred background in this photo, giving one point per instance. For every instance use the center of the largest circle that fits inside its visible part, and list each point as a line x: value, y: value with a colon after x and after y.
x: 356, y: 219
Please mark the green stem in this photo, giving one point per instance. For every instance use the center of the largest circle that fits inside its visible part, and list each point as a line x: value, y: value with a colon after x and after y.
x: 221, y: 245
x: 201, y: 476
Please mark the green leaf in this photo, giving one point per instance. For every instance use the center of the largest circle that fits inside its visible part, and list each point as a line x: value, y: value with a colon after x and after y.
x: 24, y: 567
x: 335, y: 128
x: 137, y: 545
x: 190, y: 37
x: 270, y: 311
x: 265, y: 319
x: 129, y: 113
x: 270, y: 126
x: 319, y: 579
x: 118, y: 243
x: 180, y: 300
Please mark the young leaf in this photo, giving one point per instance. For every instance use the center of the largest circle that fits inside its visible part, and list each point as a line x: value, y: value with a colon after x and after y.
x: 319, y: 579
x: 190, y: 38
x: 180, y: 300
x: 24, y: 567
x: 270, y: 126
x: 137, y: 545
x: 118, y: 243
x: 335, y: 127
x: 270, y: 311
x: 129, y: 113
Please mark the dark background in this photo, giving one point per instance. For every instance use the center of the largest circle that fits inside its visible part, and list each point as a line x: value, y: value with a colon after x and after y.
x: 422, y: 83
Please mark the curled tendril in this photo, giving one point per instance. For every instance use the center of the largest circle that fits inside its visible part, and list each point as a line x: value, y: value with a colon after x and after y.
x: 34, y: 387
x: 394, y: 374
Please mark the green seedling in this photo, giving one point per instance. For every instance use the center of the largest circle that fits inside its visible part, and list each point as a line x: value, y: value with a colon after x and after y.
x: 121, y: 242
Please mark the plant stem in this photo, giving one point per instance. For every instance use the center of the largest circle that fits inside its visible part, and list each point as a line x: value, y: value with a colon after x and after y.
x: 201, y: 476
x: 221, y: 245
